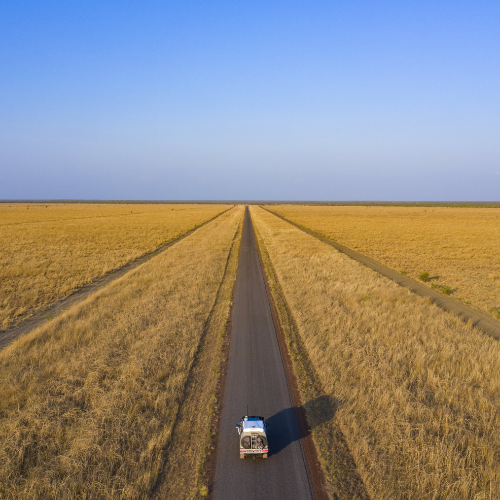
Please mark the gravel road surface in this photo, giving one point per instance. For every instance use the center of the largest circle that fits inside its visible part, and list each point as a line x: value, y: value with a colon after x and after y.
x: 256, y: 379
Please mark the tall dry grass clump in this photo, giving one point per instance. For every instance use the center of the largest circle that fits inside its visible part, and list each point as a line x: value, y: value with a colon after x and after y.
x: 88, y: 402
x: 415, y: 391
x: 457, y: 247
x: 50, y: 250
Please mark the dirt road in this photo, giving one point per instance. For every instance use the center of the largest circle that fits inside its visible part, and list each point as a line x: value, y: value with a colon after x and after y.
x: 256, y: 383
x: 32, y: 322
x: 478, y: 318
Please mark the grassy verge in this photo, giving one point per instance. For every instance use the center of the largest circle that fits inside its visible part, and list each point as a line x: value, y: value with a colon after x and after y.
x: 190, y: 446
x: 413, y: 390
x: 89, y: 401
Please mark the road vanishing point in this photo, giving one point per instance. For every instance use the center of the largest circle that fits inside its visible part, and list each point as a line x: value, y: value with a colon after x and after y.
x: 256, y: 380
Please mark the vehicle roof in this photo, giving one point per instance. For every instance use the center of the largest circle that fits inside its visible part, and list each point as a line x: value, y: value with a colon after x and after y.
x: 254, y: 424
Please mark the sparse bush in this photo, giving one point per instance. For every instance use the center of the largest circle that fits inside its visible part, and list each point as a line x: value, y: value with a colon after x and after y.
x: 434, y: 286
x: 423, y: 276
x: 446, y: 290
x: 495, y: 311
x: 403, y: 272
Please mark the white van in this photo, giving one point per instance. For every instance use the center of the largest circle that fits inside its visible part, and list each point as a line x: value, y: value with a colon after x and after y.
x: 253, y: 437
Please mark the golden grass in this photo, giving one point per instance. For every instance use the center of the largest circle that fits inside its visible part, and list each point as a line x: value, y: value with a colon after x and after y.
x: 415, y: 391
x: 50, y: 250
x: 458, y: 247
x: 88, y: 402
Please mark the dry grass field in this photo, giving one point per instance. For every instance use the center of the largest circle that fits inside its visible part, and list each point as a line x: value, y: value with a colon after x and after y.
x: 414, y: 390
x: 50, y: 250
x: 457, y: 247
x: 89, y: 401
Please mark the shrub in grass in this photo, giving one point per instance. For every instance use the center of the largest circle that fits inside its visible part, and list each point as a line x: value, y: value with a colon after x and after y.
x: 434, y: 285
x: 446, y: 290
x: 495, y: 311
x: 424, y: 276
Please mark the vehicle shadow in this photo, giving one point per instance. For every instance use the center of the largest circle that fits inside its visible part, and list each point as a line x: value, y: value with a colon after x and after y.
x: 291, y: 424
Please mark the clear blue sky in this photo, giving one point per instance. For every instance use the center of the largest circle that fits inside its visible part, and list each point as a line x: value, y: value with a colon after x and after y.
x: 316, y: 100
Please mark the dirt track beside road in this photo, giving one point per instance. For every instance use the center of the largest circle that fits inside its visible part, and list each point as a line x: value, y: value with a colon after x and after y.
x: 477, y: 318
x: 8, y: 336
